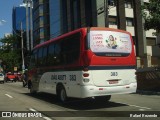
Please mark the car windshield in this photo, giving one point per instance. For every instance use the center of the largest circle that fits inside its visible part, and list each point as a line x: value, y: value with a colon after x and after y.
x: 1, y: 74
x: 10, y: 74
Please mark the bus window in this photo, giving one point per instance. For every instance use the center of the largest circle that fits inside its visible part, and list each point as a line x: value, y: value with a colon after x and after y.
x: 57, y: 54
x: 71, y: 49
x: 44, y: 61
x: 40, y: 57
x: 33, y: 60
x: 50, y: 59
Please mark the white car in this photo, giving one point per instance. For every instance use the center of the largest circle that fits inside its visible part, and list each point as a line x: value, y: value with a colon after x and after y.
x: 1, y: 78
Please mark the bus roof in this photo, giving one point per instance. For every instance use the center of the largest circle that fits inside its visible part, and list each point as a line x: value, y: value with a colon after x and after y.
x: 78, y: 30
x: 59, y: 37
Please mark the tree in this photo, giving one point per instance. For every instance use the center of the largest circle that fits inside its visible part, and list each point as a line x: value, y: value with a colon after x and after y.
x: 151, y: 14
x: 10, y: 55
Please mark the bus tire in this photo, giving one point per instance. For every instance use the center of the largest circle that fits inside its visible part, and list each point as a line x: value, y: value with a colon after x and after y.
x: 62, y: 94
x: 103, y: 98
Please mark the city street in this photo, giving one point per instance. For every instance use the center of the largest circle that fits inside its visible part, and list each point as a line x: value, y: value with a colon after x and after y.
x: 15, y: 98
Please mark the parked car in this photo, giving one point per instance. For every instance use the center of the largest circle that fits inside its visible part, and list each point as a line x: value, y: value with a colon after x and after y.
x: 10, y: 77
x: 18, y: 76
x: 1, y: 78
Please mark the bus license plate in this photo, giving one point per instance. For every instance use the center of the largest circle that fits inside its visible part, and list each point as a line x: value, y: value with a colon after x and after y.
x: 113, y: 81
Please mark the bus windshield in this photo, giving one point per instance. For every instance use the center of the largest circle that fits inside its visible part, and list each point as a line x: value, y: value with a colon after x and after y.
x: 110, y: 43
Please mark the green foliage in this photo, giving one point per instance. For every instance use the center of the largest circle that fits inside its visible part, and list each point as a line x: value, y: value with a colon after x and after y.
x: 9, y: 54
x: 151, y: 14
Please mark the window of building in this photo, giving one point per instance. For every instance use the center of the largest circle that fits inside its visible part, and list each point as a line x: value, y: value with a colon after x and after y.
x: 129, y: 22
x: 75, y: 9
x: 112, y: 20
x: 128, y: 4
x: 41, y: 31
x: 112, y: 2
x: 151, y: 41
x: 41, y: 9
x: 41, y: 18
x: 55, y: 18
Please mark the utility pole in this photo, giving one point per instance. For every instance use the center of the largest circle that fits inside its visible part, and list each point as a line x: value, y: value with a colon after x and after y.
x: 27, y: 26
x: 106, y: 17
x: 31, y: 24
x: 22, y: 47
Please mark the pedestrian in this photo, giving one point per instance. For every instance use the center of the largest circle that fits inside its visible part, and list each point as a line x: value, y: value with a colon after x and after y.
x: 25, y: 79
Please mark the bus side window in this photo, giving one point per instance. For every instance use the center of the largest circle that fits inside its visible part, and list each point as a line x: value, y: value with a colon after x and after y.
x: 44, y: 58
x: 39, y: 58
x: 50, y: 59
x: 57, y: 54
x: 71, y: 49
x: 33, y: 59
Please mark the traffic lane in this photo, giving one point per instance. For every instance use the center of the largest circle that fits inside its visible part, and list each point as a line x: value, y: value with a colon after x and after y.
x: 135, y: 101
x: 11, y: 105
x: 118, y: 103
x: 47, y: 102
x: 143, y: 102
x: 116, y: 100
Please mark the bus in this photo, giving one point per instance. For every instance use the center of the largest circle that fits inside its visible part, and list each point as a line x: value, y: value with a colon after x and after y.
x: 91, y: 62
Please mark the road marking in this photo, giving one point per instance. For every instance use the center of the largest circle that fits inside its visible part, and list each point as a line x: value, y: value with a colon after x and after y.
x: 8, y: 95
x: 46, y: 118
x: 141, y: 108
x: 33, y: 110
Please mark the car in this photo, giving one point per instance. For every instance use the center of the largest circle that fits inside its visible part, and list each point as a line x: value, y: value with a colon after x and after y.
x: 1, y: 78
x: 10, y: 77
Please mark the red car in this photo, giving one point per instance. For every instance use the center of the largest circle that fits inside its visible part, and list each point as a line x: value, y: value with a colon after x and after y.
x: 10, y: 77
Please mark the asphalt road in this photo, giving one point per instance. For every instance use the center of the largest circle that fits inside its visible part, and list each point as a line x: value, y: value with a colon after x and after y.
x: 15, y: 101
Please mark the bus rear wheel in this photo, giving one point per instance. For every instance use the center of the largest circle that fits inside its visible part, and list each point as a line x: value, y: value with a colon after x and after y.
x: 62, y: 94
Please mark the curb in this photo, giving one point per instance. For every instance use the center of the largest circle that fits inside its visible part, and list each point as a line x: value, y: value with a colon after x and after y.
x: 147, y: 92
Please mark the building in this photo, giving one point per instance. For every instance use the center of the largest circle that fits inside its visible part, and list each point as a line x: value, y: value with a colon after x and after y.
x: 18, y: 17
x: 67, y: 15
x: 122, y: 14
x: 18, y: 24
x: 41, y: 27
x: 126, y: 15
x: 58, y: 17
x: 55, y: 18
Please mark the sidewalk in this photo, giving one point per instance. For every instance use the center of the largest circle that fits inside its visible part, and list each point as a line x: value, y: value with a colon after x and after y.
x: 143, y: 92
x: 148, y: 81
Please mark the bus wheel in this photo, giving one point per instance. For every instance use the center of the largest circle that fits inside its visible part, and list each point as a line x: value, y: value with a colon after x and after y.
x: 103, y: 98
x: 62, y: 94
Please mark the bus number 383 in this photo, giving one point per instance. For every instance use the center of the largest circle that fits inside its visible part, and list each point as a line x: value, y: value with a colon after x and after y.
x: 72, y: 77
x: 114, y: 73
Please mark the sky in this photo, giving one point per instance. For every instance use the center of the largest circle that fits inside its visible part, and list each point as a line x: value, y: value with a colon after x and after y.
x: 6, y: 15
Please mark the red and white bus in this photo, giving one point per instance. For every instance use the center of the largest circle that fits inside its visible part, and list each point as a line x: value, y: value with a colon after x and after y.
x: 88, y: 62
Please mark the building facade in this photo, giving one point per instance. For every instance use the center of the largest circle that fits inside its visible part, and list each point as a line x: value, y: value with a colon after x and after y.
x: 41, y: 27
x: 68, y: 15
x: 121, y: 14
x: 18, y: 17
